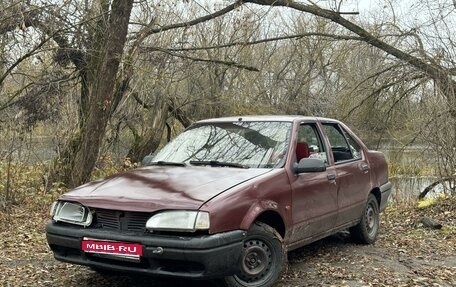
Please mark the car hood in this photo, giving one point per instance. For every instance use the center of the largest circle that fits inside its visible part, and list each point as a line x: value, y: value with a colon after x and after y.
x: 154, y: 188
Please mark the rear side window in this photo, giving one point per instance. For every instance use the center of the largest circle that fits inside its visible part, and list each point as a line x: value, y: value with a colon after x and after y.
x: 354, y: 146
x: 343, y: 146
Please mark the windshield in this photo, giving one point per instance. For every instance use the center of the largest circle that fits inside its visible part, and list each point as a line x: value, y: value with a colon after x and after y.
x: 248, y: 144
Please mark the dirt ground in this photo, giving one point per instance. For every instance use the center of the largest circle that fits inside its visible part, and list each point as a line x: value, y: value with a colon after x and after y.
x: 405, y: 254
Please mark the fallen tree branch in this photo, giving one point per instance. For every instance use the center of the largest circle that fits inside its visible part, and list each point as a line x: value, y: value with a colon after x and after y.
x: 437, y: 72
x: 433, y: 185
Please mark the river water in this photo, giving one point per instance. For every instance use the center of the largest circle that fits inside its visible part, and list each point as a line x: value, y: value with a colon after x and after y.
x: 415, y: 161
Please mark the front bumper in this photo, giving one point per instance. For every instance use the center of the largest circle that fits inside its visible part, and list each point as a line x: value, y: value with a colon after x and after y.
x: 197, y: 257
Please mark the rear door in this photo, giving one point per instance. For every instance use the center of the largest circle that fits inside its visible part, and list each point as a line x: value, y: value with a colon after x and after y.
x: 352, y: 173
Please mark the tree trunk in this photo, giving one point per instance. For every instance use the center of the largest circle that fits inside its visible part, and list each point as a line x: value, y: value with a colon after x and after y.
x: 101, y: 89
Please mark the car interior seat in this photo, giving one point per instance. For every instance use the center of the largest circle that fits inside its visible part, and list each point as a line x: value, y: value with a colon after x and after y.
x: 302, y: 150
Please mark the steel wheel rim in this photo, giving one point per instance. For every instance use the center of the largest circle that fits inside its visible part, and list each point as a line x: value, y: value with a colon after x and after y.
x: 371, y: 219
x: 256, y: 262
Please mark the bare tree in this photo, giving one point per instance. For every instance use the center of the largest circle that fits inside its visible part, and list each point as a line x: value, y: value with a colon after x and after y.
x: 434, y: 67
x: 171, y: 63
x: 440, y: 74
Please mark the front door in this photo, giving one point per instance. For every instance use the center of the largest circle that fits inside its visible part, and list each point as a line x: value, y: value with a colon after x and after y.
x: 314, y: 195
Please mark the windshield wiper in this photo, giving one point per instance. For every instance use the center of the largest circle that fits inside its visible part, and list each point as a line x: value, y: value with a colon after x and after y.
x: 217, y: 163
x: 168, y: 163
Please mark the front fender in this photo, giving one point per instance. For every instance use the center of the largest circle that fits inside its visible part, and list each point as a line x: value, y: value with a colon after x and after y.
x: 258, y: 208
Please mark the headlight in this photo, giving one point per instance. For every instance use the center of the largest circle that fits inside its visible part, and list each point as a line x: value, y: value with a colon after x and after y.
x: 71, y: 212
x: 179, y: 220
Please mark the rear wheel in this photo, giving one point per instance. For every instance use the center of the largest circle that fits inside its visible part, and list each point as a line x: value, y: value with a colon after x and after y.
x: 262, y: 261
x: 367, y: 229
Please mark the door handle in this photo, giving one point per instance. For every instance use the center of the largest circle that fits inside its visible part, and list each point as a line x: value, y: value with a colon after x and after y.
x: 363, y: 167
x: 331, y: 176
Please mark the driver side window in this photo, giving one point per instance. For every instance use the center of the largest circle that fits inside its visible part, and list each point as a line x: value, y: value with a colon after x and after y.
x: 309, y: 144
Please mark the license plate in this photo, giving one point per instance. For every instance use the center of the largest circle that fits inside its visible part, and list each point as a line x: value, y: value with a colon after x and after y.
x: 116, y: 248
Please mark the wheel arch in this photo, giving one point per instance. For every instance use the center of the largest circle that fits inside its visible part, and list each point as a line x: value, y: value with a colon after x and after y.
x: 378, y: 195
x: 270, y: 217
x: 274, y: 220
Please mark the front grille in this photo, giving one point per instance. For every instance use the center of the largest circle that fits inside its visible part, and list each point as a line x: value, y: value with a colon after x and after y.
x: 121, y: 220
x: 108, y: 219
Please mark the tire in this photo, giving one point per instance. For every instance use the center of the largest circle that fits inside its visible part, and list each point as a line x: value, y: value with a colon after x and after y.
x: 262, y: 261
x: 366, y: 230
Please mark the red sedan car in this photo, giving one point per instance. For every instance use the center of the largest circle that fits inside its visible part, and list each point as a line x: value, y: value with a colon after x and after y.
x: 226, y: 199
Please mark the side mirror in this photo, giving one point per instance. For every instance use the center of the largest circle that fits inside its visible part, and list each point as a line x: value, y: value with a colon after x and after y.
x: 310, y: 165
x: 147, y: 160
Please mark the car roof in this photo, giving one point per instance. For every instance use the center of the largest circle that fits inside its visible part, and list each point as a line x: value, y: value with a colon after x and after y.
x: 272, y: 118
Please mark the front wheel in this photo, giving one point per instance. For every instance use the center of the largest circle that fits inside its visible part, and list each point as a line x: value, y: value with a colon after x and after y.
x: 367, y: 229
x: 262, y: 261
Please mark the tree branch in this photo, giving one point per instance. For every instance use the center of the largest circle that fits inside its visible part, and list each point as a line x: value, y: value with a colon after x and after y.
x: 297, y: 36
x: 20, y: 18
x: 149, y: 30
x: 179, y: 114
x: 439, y: 73
x: 435, y: 72
x: 141, y: 102
x: 227, y: 63
x: 11, y: 101
x: 176, y: 111
x: 433, y: 185
x: 25, y: 56
x: 380, y: 89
